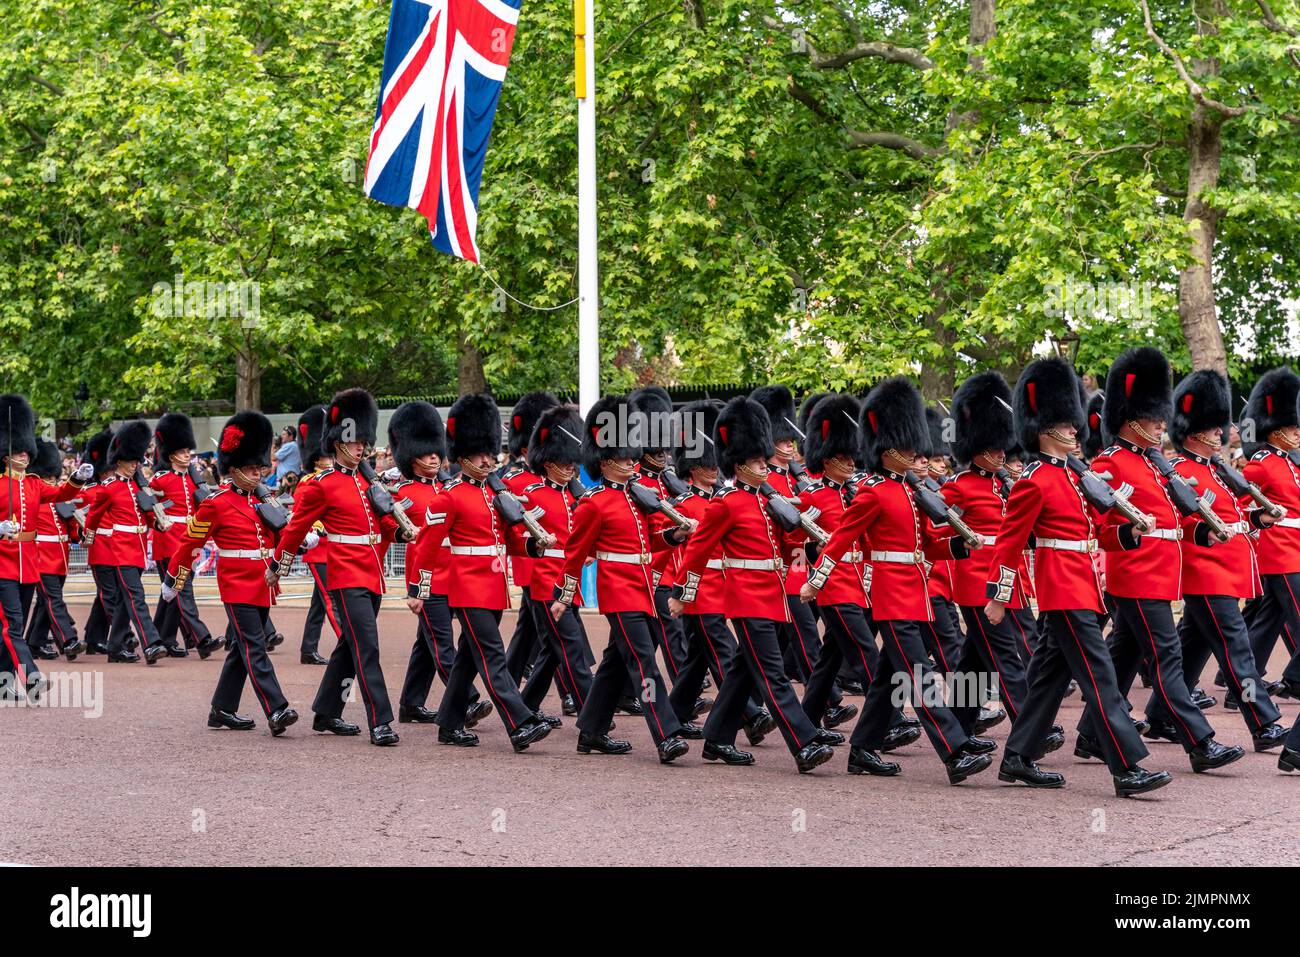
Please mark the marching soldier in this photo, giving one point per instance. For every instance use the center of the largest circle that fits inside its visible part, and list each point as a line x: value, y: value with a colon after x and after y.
x: 609, y: 526
x: 22, y: 496
x: 1144, y: 567
x: 1046, y: 502
x: 175, y: 443
x: 338, y: 498
x: 418, y: 442
x: 54, y: 531
x: 229, y: 517
x: 943, y: 632
x: 474, y: 566
x: 95, y: 454
x: 884, y: 512
x: 315, y: 460
x: 1217, y: 575
x: 116, y: 537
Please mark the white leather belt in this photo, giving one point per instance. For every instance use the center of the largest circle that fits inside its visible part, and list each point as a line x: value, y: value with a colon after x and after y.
x: 243, y: 553
x: 625, y: 558
x: 1068, y: 544
x: 853, y: 557
x: 51, y: 538
x: 479, y: 550
x: 753, y: 564
x: 371, y: 539
x: 714, y: 563
x: 899, y: 558
x: 1287, y: 523
x: 1166, y: 534
x: 131, y: 529
x: 553, y: 553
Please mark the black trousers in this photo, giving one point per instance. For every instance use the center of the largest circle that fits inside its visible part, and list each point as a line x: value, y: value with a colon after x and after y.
x: 669, y: 634
x: 629, y: 659
x: 15, y: 656
x: 994, y: 649
x: 850, y: 648
x: 563, y: 657
x: 758, y: 672
x: 319, y: 611
x: 1072, y: 646
x: 247, y: 658
x: 710, y: 650
x: 124, y: 603
x: 800, y: 639
x: 1144, y: 631
x: 1025, y: 627
x: 181, y: 615
x: 1213, y: 625
x: 96, y: 630
x: 1279, y: 611
x: 907, y: 657
x: 942, y: 636
x: 432, y: 654
x: 524, y: 644
x: 50, y: 616
x: 482, y: 651
x: 355, y: 660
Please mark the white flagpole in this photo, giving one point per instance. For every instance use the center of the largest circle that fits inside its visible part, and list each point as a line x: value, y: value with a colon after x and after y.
x: 584, y: 46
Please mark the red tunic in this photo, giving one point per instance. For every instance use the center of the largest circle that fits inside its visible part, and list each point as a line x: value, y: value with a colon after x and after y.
x: 178, y: 489
x: 23, y: 500
x: 737, y: 522
x: 792, y: 543
x: 421, y: 493
x: 558, y: 503
x: 1277, y: 477
x: 666, y: 562
x: 518, y: 479
x: 713, y: 582
x: 319, y: 554
x: 244, y: 546
x: 1046, y: 502
x: 978, y: 493
x: 53, y: 535
x: 337, y: 498
x: 119, y: 528
x: 1222, y: 568
x: 850, y: 579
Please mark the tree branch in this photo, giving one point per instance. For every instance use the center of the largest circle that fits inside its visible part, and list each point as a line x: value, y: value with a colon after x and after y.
x: 1272, y: 22
x: 52, y: 87
x: 889, y: 52
x: 1195, y: 89
x: 892, y: 141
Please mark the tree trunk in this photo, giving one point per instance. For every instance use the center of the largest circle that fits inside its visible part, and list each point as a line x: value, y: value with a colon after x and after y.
x: 470, y: 369
x: 248, y: 380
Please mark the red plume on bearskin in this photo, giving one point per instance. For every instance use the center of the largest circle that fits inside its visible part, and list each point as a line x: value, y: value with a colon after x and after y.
x: 352, y: 416
x: 474, y: 426
x: 1046, y: 395
x: 743, y: 432
x: 245, y: 442
x: 893, y: 417
x: 523, y: 418
x: 556, y: 438
x: 1202, y: 402
x: 983, y: 423
x: 1138, y: 387
x: 831, y: 429
x: 1272, y: 404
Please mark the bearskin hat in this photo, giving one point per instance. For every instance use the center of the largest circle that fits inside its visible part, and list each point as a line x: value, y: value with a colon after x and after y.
x: 892, y: 417
x: 602, y: 431
x: 311, y: 428
x: 96, y: 452
x: 655, y: 405
x: 48, y: 461
x: 523, y: 418
x: 1093, y: 437
x: 695, y: 448
x: 831, y: 429
x: 1201, y: 402
x: 17, y: 426
x: 245, y: 441
x: 779, y: 404
x: 414, y: 430
x: 742, y: 432
x: 1046, y: 395
x: 352, y: 416
x: 983, y: 423
x: 934, y: 424
x: 173, y: 433
x: 130, y: 442
x: 1137, y: 387
x: 1272, y: 404
x: 474, y: 426
x: 556, y: 437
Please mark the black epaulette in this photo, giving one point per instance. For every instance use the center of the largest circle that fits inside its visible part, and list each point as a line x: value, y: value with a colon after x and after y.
x: 1031, y: 468
x: 1109, y: 450
x: 535, y: 485
x: 682, y: 498
x: 722, y: 493
x: 453, y: 483
x: 871, y: 481
x: 317, y: 476
x: 511, y: 472
x: 815, y: 486
x: 1261, y: 454
x: 219, y: 490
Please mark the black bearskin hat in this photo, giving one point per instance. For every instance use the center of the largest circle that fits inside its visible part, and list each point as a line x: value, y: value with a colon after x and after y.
x: 892, y: 417
x: 805, y: 410
x: 1046, y: 395
x: 414, y: 430
x: 1272, y: 404
x: 1137, y: 387
x: 173, y: 433
x: 1201, y: 402
x: 609, y: 421
x: 245, y: 441
x: 743, y: 432
x: 831, y: 429
x: 130, y: 442
x: 48, y: 461
x: 17, y: 426
x: 474, y: 426
x: 311, y: 428
x: 779, y: 404
x: 557, y: 437
x: 983, y: 423
x: 695, y: 448
x: 1093, y: 438
x: 352, y: 416
x: 934, y: 424
x: 523, y: 418
x: 96, y: 452
x: 655, y: 405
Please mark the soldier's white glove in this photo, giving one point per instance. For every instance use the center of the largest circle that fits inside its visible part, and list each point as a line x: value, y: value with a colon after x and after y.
x: 392, y: 475
x: 8, y: 528
x: 311, y: 540
x: 84, y: 472
x: 168, y: 593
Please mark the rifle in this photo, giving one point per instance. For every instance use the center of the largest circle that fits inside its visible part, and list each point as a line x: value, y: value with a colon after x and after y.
x: 789, y: 518
x: 201, y: 488
x: 381, y: 500
x: 269, y: 509
x: 1239, y: 485
x: 576, y: 488
x: 673, y: 483
x: 66, y: 510
x: 644, y: 498
x: 512, y: 510
x: 1184, y: 496
x: 939, y: 511
x: 146, y: 499
x: 801, y: 478
x: 1104, y: 498
x: 1005, y: 478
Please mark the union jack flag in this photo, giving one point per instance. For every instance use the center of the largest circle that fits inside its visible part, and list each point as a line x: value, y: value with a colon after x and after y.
x: 444, y: 63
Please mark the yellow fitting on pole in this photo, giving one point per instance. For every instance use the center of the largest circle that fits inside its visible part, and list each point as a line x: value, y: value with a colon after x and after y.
x: 580, y: 49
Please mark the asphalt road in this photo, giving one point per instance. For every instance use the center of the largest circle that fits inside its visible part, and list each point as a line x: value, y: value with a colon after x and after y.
x: 145, y: 782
